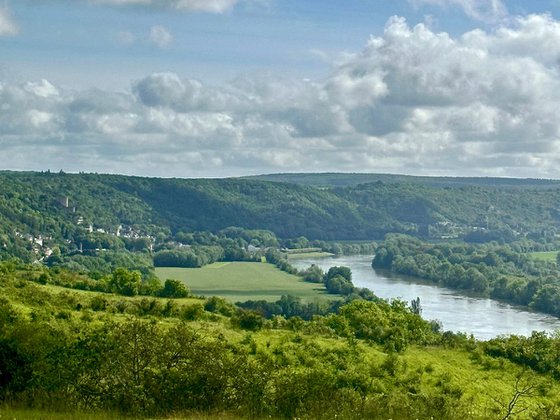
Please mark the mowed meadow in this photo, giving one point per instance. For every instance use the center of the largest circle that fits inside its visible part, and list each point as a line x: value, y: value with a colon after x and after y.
x: 241, y: 281
x: 544, y: 255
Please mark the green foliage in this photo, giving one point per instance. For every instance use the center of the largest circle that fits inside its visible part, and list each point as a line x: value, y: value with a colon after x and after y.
x: 189, y: 257
x: 99, y: 263
x: 219, y: 305
x: 280, y: 260
x: 174, y: 289
x: 538, y: 352
x: 290, y: 306
x: 343, y: 272
x: 338, y: 280
x: 192, y: 312
x: 394, y: 325
x: 125, y: 282
x: 314, y: 274
x: 248, y: 320
x: 363, y: 359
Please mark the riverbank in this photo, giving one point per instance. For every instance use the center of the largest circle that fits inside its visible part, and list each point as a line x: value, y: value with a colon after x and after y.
x: 484, y: 318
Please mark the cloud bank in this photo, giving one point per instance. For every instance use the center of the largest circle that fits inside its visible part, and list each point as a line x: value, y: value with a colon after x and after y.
x: 412, y: 101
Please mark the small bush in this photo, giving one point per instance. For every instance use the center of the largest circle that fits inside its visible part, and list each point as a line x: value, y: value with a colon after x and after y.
x: 192, y: 312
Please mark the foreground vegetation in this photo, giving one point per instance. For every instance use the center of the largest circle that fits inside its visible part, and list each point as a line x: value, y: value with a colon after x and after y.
x: 66, y: 350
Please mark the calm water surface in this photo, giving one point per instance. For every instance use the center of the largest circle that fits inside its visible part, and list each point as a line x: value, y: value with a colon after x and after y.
x: 484, y: 318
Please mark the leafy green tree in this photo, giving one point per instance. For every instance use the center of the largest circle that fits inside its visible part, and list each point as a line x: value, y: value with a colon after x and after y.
x: 547, y: 299
x: 344, y: 272
x: 339, y: 285
x: 313, y: 274
x: 248, y: 320
x: 125, y: 282
x: 174, y: 289
x: 219, y: 305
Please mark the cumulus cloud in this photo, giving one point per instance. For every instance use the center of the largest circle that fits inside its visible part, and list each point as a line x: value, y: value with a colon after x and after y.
x: 210, y: 6
x: 413, y: 100
x: 8, y: 27
x: 160, y: 36
x: 483, y: 10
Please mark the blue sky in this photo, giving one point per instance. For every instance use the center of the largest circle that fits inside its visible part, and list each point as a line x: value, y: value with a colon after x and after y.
x: 233, y: 87
x: 58, y: 38
x: 80, y: 44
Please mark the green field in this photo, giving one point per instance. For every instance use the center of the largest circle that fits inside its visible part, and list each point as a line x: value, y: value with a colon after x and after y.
x: 241, y: 281
x: 544, y: 256
x: 303, y: 255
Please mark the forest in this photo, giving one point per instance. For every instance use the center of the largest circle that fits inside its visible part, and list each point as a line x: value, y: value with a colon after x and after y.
x: 62, y: 206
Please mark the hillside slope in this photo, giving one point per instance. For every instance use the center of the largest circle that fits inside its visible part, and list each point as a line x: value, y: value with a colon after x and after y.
x: 61, y: 207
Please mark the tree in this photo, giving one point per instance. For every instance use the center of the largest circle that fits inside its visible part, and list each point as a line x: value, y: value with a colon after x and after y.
x: 415, y: 306
x: 313, y: 274
x: 125, y: 282
x: 547, y: 299
x: 248, y: 320
x: 339, y: 285
x: 522, y: 389
x: 344, y: 272
x: 174, y: 289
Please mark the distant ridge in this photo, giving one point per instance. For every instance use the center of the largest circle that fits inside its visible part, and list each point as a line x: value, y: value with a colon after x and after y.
x: 339, y: 179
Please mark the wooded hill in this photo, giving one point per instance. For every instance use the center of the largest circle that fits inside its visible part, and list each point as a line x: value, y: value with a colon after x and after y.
x: 63, y: 206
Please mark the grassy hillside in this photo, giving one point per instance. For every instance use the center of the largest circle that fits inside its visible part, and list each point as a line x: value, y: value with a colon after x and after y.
x: 109, y: 355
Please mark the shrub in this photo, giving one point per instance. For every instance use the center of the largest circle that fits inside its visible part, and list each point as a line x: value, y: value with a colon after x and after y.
x: 174, y: 289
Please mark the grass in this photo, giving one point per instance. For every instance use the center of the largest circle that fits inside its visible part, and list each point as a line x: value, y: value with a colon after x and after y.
x: 544, y: 256
x: 241, y: 281
x: 487, y: 382
x: 111, y: 296
x: 10, y: 413
x: 303, y: 255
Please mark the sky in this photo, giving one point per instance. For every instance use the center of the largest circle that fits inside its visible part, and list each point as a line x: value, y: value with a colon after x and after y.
x: 219, y: 88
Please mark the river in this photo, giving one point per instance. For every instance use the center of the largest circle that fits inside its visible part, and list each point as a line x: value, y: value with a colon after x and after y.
x: 484, y: 318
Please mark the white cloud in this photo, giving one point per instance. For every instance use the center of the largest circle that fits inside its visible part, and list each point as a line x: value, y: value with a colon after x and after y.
x: 42, y: 89
x: 412, y: 100
x: 483, y: 10
x: 160, y: 36
x: 8, y: 27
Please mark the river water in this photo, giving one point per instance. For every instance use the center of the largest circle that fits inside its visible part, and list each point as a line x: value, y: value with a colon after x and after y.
x: 484, y: 318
